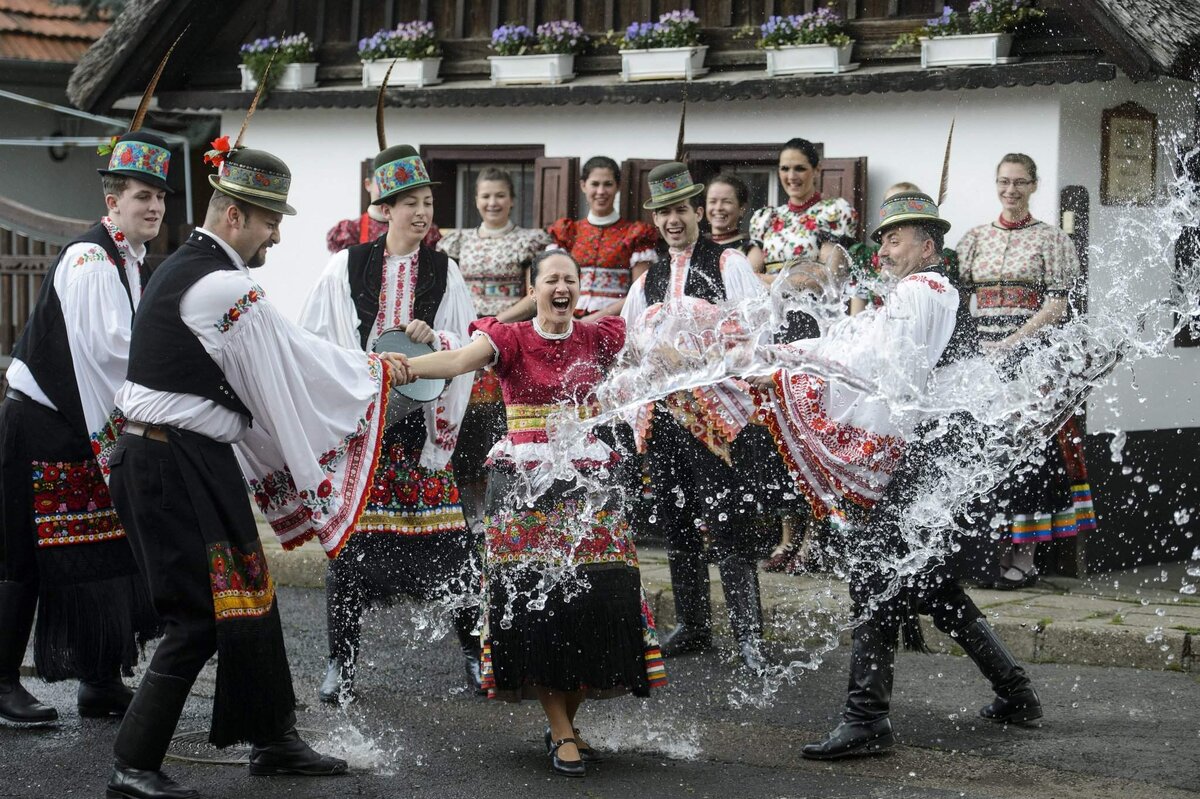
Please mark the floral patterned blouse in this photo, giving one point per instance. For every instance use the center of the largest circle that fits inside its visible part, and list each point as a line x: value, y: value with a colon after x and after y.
x: 797, y: 231
x: 493, y: 263
x: 606, y: 255
x: 1010, y: 272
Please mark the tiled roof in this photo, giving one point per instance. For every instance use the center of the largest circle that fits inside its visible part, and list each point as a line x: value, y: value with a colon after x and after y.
x: 40, y: 30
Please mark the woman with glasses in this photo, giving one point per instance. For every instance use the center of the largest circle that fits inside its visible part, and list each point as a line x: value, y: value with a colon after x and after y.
x: 1021, y: 272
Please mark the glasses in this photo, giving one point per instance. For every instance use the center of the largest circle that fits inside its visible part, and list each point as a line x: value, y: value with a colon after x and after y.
x: 1019, y: 183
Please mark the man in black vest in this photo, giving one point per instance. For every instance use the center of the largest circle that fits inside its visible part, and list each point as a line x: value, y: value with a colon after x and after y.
x: 411, y: 538
x: 911, y: 236
x: 696, y: 460
x: 63, y: 550
x: 209, y: 357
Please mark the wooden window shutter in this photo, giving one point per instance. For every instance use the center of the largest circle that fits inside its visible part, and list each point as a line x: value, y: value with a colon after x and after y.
x: 555, y: 187
x: 367, y: 172
x: 847, y: 178
x: 635, y: 190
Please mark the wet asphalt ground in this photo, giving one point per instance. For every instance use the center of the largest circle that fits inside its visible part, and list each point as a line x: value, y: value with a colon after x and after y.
x: 1108, y: 732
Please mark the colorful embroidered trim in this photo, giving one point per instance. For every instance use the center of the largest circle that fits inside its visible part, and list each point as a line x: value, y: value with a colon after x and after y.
x: 140, y: 156
x: 533, y: 417
x: 1008, y: 297
x: 670, y: 184
x: 71, y: 504
x: 241, y: 584
x: 240, y: 307
x: 104, y: 439
x: 93, y: 255
x: 257, y: 182
x: 401, y: 174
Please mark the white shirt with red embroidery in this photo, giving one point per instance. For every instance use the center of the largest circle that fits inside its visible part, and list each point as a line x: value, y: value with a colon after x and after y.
x: 329, y: 312
x: 841, y: 413
x: 309, y: 453
x: 98, y: 319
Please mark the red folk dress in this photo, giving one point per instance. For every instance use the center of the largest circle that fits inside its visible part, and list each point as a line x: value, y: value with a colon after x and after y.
x: 594, y: 633
x: 606, y: 253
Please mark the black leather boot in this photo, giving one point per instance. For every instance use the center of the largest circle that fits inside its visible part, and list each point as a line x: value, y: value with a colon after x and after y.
x: 338, y: 686
x: 143, y: 739
x: 464, y: 625
x: 289, y: 754
x: 1016, y: 702
x: 103, y: 698
x: 18, y: 601
x: 343, y: 620
x: 865, y: 728
x: 739, y: 580
x: 693, y: 608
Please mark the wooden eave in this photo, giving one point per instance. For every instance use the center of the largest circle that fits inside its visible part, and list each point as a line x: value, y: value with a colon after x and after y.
x: 715, y: 87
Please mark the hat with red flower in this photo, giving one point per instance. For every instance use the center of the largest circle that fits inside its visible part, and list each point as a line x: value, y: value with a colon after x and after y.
x: 670, y: 183
x: 255, y: 176
x: 142, y: 156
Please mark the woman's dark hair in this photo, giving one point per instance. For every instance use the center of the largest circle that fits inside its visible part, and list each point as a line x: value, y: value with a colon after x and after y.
x: 498, y: 175
x: 600, y: 162
x: 543, y: 256
x: 805, y: 146
x: 740, y: 189
x: 1023, y: 160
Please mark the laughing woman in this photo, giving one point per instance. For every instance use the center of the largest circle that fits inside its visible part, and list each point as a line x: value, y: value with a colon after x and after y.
x: 594, y: 636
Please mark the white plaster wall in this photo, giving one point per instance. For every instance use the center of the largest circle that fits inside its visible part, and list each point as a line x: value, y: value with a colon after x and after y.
x: 902, y: 135
x: 28, y: 175
x: 1131, y: 256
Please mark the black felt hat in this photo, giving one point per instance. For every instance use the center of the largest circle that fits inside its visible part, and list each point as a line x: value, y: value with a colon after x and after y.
x: 257, y: 177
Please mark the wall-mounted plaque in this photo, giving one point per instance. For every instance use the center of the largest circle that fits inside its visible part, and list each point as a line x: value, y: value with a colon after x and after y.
x: 1128, y: 156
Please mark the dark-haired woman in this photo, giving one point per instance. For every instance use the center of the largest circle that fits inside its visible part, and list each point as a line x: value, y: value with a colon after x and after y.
x: 586, y: 638
x: 725, y: 202
x: 611, y: 252
x: 807, y: 227
x: 1022, y: 271
x: 494, y: 259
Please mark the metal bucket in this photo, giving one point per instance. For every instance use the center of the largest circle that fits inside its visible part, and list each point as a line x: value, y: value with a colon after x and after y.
x: 407, y: 398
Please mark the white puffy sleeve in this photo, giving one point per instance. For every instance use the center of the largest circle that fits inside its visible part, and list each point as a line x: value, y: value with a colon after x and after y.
x: 318, y: 408
x: 98, y: 318
x: 738, y: 275
x: 329, y: 311
x: 443, y: 416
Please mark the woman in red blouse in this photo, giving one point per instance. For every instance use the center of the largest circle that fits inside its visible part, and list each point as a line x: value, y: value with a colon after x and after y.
x: 611, y: 252
x: 565, y: 618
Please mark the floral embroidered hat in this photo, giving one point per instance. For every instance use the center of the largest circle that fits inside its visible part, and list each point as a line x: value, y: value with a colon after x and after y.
x: 142, y: 156
x: 670, y: 183
x: 908, y: 207
x: 398, y: 169
x: 254, y: 176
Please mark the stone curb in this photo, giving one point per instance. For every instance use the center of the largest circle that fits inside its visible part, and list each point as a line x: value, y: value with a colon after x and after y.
x: 1039, y: 626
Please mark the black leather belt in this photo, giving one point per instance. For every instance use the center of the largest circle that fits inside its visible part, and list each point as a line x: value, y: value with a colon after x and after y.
x: 154, y: 432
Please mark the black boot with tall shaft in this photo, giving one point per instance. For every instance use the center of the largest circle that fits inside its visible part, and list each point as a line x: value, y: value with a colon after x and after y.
x: 739, y: 580
x: 18, y: 601
x: 1016, y: 702
x: 143, y: 739
x: 865, y: 727
x: 465, y: 621
x: 693, y: 608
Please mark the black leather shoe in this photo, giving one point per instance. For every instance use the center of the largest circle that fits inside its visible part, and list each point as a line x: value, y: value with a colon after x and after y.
x: 20, y: 706
x: 683, y: 640
x: 134, y: 783
x: 291, y: 755
x: 567, y: 768
x: 1017, y: 709
x: 338, y: 685
x: 852, y: 738
x: 586, y: 753
x: 474, y: 674
x: 102, y: 699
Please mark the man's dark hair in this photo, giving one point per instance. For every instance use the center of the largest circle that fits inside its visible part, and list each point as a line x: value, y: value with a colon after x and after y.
x: 220, y: 201
x: 931, y: 233
x: 544, y: 255
x: 114, y: 184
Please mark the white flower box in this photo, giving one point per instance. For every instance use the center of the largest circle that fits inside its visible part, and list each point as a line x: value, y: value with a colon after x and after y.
x: 293, y: 76
x: 807, y: 59
x: 415, y: 72
x: 538, y: 68
x: 663, y: 63
x: 972, y: 48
